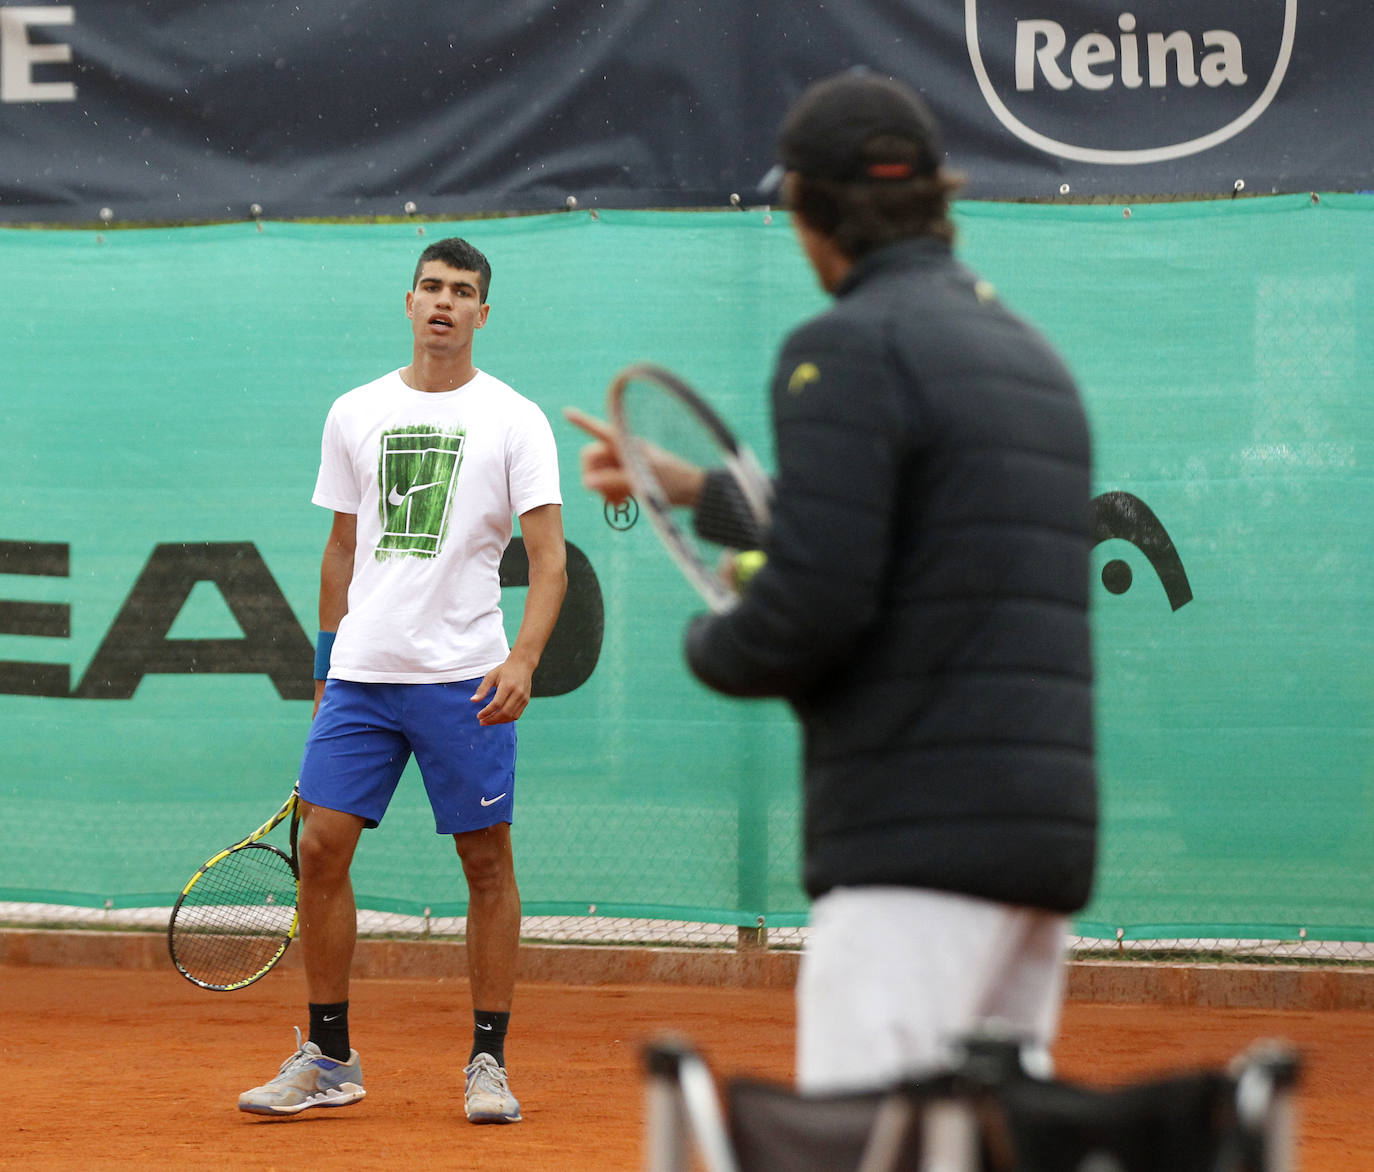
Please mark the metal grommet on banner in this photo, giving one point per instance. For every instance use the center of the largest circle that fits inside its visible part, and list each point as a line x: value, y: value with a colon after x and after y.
x: 410, y: 208
x: 255, y: 210
x: 570, y: 204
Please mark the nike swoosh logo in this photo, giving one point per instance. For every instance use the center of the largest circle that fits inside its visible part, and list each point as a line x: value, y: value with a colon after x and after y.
x: 332, y: 1016
x: 395, y: 498
x: 484, y: 1027
x: 492, y: 801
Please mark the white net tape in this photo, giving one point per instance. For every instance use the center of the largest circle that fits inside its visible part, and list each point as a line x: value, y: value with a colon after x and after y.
x: 609, y: 930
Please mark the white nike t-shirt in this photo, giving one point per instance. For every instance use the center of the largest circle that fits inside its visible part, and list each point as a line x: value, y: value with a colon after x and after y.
x: 435, y: 479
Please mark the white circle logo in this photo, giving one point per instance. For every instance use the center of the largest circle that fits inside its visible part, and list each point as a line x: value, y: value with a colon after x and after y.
x: 1047, y: 58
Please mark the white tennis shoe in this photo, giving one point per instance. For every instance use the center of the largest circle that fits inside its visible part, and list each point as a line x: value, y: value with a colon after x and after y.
x: 307, y: 1079
x: 487, y: 1097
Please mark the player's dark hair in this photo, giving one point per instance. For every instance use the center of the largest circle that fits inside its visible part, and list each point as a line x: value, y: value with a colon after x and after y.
x: 459, y: 254
x: 862, y: 216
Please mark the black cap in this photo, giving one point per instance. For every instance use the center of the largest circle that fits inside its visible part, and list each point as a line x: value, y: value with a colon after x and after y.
x: 825, y: 133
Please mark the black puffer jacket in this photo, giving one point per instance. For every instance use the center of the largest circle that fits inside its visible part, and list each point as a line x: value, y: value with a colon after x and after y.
x: 924, y: 606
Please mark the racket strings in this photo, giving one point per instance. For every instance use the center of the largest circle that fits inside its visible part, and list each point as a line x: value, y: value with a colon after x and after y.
x: 666, y: 434
x: 236, y: 917
x: 669, y: 438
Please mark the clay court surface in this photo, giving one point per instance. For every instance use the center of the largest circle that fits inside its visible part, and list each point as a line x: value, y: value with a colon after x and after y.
x: 107, y: 1068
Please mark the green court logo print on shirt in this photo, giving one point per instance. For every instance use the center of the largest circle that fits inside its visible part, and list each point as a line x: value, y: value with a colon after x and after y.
x: 416, y: 474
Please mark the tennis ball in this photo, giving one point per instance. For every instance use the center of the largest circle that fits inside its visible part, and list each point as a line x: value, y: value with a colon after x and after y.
x: 748, y: 563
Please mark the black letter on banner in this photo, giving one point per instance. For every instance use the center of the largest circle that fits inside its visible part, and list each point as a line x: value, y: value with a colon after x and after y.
x: 51, y: 620
x: 575, y: 645
x: 137, y: 644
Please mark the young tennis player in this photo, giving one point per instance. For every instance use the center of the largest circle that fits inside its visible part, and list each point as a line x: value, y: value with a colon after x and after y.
x: 922, y: 604
x: 424, y: 470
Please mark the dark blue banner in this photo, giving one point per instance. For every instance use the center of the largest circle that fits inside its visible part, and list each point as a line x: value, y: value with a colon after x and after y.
x: 183, y: 110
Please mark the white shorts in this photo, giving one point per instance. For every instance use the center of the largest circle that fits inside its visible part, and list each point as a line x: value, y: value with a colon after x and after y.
x: 891, y: 976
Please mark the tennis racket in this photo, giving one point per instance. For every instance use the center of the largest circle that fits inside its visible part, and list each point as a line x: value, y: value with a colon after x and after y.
x: 703, y: 490
x: 237, y: 914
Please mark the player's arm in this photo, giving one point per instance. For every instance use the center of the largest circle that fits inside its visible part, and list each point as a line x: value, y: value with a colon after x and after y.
x: 839, y: 434
x: 719, y: 511
x: 603, y: 471
x: 509, y: 684
x: 336, y: 573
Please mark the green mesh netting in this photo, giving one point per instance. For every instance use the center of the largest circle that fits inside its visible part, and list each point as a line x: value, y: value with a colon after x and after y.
x: 168, y: 386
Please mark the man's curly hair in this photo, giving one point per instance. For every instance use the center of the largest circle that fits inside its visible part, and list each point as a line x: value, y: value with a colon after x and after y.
x: 862, y: 216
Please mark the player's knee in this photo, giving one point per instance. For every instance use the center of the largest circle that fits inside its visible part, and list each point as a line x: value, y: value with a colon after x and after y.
x: 487, y: 876
x: 324, y: 858
x: 488, y: 847
x: 487, y: 872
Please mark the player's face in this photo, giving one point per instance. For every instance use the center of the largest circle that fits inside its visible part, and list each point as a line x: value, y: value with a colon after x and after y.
x: 445, y: 307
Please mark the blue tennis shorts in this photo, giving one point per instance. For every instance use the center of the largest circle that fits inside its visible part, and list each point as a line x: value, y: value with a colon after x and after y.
x: 364, y: 734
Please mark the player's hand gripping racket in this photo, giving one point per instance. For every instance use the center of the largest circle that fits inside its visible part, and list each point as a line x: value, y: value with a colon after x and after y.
x: 703, y: 490
x: 237, y: 914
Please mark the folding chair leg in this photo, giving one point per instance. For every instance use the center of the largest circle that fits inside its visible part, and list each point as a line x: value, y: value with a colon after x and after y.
x: 1265, y: 1077
x: 683, y: 1111
x: 949, y: 1135
x: 665, y: 1122
x: 950, y: 1140
x: 890, y: 1127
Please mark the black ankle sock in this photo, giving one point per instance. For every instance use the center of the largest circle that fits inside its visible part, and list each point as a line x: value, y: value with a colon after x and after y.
x: 329, y: 1029
x: 489, y: 1035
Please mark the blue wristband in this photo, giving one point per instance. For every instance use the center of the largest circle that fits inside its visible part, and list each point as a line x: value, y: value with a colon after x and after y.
x: 323, y: 650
